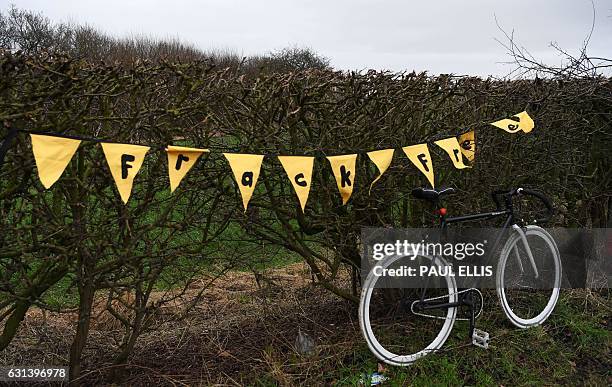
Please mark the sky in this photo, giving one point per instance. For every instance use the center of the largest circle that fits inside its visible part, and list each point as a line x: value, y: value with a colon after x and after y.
x: 440, y: 36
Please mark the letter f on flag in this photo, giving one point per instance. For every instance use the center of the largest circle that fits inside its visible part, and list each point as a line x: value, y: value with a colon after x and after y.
x: 124, y: 162
x: 419, y: 155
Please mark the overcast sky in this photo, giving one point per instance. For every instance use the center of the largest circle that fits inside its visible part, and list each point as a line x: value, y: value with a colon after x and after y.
x: 449, y: 36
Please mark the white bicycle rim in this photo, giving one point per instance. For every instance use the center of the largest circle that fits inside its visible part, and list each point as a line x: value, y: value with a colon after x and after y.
x: 501, y: 291
x: 364, y: 320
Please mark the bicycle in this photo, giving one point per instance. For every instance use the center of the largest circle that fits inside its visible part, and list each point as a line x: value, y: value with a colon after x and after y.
x: 432, y: 311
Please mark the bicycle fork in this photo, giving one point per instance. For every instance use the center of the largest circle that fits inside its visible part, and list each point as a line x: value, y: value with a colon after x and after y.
x: 523, y: 237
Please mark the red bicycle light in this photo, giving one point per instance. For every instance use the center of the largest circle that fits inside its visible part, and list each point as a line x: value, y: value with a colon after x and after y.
x: 442, y: 211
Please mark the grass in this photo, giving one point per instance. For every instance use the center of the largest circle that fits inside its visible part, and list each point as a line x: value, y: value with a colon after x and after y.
x: 64, y: 294
x: 572, y: 347
x: 244, y: 334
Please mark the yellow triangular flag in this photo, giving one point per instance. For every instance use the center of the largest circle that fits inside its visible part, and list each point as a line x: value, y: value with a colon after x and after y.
x: 180, y: 161
x: 299, y: 170
x: 382, y: 160
x: 246, y: 172
x: 124, y: 162
x: 451, y: 146
x: 467, y: 142
x: 525, y: 123
x: 52, y: 155
x: 344, y: 170
x: 419, y: 155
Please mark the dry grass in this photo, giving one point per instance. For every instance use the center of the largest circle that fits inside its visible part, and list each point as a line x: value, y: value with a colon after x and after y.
x: 244, y: 334
x: 236, y: 332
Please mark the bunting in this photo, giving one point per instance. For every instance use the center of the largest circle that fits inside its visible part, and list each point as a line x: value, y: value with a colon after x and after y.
x: 452, y: 148
x: 246, y: 169
x: 343, y: 168
x: 419, y: 155
x: 299, y: 171
x: 467, y: 141
x: 52, y: 155
x: 382, y: 160
x: 523, y: 122
x: 180, y: 161
x: 124, y: 162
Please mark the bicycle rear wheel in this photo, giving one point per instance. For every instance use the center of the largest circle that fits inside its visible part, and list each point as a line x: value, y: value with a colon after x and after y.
x: 526, y: 298
x: 393, y: 331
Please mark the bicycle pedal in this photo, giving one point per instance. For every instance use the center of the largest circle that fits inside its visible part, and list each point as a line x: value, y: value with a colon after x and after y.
x: 480, y: 338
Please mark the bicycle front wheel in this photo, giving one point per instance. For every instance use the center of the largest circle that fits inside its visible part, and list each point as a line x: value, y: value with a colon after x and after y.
x: 398, y: 333
x: 528, y: 289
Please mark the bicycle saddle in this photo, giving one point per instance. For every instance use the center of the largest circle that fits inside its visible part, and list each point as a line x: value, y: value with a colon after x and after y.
x: 431, y: 194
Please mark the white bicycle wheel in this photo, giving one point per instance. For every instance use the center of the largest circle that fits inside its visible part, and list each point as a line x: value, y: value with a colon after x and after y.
x: 439, y: 327
x: 527, y: 299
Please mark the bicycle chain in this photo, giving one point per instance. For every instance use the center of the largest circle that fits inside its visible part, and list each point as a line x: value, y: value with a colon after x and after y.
x: 439, y: 297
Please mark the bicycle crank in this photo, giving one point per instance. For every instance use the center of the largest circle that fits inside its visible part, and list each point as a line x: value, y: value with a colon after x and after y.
x: 472, y: 298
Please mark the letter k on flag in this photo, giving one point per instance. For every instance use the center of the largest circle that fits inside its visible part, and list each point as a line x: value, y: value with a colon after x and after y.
x: 344, y: 170
x: 124, y: 162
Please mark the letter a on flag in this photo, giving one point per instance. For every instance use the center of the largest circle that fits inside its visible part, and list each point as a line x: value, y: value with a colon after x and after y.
x: 344, y: 170
x: 382, y: 160
x: 246, y: 172
x: 419, y: 155
x: 467, y: 141
x: 451, y: 146
x: 180, y: 161
x: 124, y: 162
x: 299, y: 170
x: 52, y: 155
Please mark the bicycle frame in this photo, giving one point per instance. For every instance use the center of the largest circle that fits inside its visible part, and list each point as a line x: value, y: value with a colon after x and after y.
x: 444, y: 221
x: 464, y: 294
x: 508, y: 213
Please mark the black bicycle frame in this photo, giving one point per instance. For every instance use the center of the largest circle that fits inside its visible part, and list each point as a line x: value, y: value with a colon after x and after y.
x: 444, y: 221
x: 508, y: 212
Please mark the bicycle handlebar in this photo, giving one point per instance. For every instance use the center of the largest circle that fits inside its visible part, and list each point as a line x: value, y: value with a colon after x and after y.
x: 543, y: 199
x: 508, y: 193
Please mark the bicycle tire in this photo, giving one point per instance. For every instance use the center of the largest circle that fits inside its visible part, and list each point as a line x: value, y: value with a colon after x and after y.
x: 500, y: 281
x: 374, y: 345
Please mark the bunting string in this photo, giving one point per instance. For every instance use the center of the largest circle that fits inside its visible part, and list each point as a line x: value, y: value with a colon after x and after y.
x: 53, y: 152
